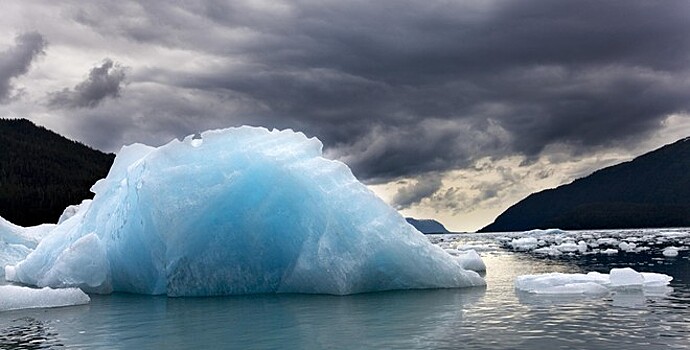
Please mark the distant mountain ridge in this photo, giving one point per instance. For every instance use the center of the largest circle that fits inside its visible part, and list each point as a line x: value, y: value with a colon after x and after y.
x: 652, y: 190
x: 427, y: 225
x: 42, y: 172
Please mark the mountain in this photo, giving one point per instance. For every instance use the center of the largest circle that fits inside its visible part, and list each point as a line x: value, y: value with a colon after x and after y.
x: 42, y: 172
x: 653, y: 190
x: 427, y: 225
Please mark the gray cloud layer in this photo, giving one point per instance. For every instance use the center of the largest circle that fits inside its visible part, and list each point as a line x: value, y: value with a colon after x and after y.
x: 16, y: 60
x: 103, y: 81
x: 396, y: 88
x: 414, y: 193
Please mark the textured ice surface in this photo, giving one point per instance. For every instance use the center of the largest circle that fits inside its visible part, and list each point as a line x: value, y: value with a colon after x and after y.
x: 16, y: 297
x: 592, y: 283
x: 17, y: 242
x: 72, y: 210
x: 242, y: 210
x: 26, y: 236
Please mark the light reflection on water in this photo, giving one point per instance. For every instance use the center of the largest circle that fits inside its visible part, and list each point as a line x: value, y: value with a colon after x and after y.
x: 493, y: 318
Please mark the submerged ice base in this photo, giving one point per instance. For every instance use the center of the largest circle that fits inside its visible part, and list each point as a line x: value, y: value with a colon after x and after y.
x: 241, y: 210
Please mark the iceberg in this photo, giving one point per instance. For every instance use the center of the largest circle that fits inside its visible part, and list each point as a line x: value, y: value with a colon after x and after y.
x: 236, y: 211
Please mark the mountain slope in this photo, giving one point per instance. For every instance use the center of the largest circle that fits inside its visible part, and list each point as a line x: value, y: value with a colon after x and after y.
x: 653, y: 190
x: 42, y: 172
x: 427, y: 225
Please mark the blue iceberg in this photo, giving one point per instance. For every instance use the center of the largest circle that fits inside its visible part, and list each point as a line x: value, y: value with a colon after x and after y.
x: 236, y: 211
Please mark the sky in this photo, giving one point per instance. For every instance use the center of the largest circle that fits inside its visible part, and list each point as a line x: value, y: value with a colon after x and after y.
x: 452, y: 110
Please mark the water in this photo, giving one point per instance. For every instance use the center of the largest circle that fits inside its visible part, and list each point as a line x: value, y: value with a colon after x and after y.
x: 495, y: 317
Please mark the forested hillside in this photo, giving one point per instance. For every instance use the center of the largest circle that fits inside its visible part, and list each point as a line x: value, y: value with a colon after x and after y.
x: 42, y: 172
x: 653, y: 190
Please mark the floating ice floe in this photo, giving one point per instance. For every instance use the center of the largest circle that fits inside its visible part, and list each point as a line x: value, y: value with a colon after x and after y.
x: 592, y: 283
x: 16, y: 297
x: 525, y: 243
x: 670, y: 251
x: 241, y: 210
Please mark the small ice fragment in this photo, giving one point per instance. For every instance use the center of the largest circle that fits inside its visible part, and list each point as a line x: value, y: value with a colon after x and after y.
x: 16, y: 297
x: 525, y: 243
x: 551, y: 251
x: 670, y: 252
x: 608, y: 241
x: 568, y: 247
x: 470, y: 260
x: 594, y: 283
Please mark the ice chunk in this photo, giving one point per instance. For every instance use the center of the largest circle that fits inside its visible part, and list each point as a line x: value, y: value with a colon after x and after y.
x: 525, y: 243
x: 560, y: 283
x: 670, y: 251
x: 568, y: 247
x: 470, y: 260
x: 626, y: 277
x: 477, y: 247
x: 552, y: 251
x: 245, y: 211
x: 626, y: 246
x: 608, y: 241
x: 592, y: 283
x: 16, y: 297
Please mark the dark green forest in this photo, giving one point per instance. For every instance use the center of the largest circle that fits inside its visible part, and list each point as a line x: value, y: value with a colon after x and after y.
x: 42, y: 172
x: 653, y: 190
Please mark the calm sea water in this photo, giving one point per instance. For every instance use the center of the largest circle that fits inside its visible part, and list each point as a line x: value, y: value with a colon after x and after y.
x: 495, y: 317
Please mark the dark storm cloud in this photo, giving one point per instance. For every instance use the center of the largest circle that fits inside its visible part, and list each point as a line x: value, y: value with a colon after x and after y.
x: 103, y: 81
x: 413, y: 193
x: 16, y: 60
x: 403, y: 88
